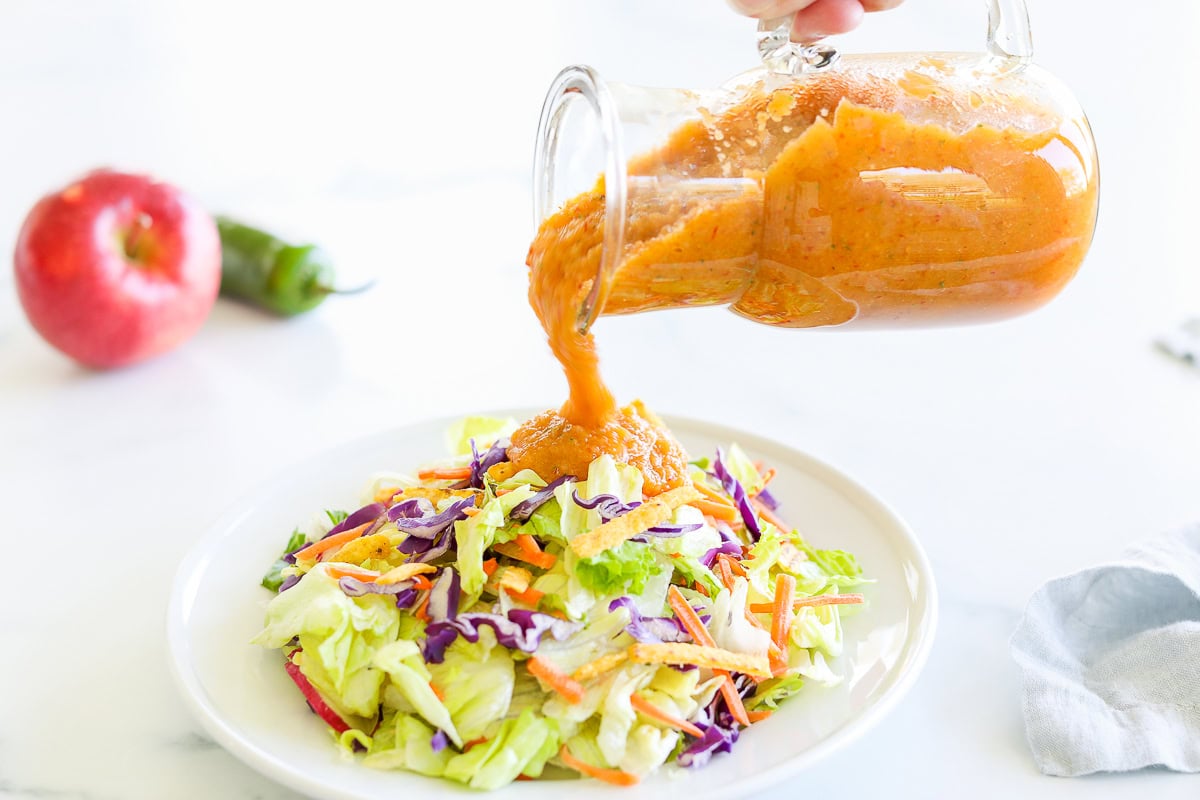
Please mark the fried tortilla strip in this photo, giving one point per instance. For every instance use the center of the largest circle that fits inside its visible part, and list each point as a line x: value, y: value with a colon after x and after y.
x: 516, y: 579
x: 502, y: 471
x: 404, y: 572
x: 654, y: 511
x: 605, y: 663
x: 433, y: 494
x: 700, y: 656
x: 791, y: 557
x: 377, y: 545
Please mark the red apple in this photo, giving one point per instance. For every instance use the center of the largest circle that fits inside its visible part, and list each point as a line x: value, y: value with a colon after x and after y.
x: 117, y: 268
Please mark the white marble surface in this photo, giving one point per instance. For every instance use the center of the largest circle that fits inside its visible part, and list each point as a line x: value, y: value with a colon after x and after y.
x: 401, y: 138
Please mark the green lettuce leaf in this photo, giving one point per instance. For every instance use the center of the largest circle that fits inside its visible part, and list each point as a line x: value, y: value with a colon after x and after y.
x: 520, y: 746
x: 404, y: 665
x: 770, y: 692
x: 477, y: 680
x: 819, y: 628
x: 742, y: 467
x: 484, y: 430
x: 623, y: 569
x: 405, y: 742
x: 647, y: 748
x: 476, y: 534
x: 617, y: 715
x: 684, y: 552
x: 275, y: 577
x: 339, y: 636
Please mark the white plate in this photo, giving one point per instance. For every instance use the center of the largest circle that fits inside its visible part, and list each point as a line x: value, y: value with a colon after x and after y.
x: 242, y: 696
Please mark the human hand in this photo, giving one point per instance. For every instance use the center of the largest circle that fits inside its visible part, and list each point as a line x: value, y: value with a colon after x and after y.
x: 814, y: 18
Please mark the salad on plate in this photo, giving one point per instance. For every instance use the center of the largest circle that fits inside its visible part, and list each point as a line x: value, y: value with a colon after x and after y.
x: 478, y: 623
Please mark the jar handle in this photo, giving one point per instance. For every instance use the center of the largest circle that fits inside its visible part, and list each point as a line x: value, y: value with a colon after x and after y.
x: 1008, y: 37
x: 1008, y: 29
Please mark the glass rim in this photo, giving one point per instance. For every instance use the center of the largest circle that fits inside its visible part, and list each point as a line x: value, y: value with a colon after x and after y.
x: 573, y: 83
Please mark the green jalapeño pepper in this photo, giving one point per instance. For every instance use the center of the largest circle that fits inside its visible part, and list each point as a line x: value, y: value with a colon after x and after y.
x: 266, y: 271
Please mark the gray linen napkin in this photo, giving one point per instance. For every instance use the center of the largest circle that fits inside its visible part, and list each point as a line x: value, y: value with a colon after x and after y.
x: 1110, y: 662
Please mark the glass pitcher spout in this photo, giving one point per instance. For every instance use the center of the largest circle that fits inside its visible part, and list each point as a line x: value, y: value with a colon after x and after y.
x: 866, y: 190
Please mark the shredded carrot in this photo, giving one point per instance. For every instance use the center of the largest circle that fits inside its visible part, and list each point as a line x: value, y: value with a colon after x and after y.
x: 712, y: 494
x: 767, y: 473
x: 781, y: 618
x: 829, y: 600
x: 691, y: 623
x: 721, y: 511
x: 347, y: 571
x: 725, y: 574
x: 468, y: 745
x: 329, y: 542
x: 501, y: 493
x: 422, y: 611
x: 769, y: 515
x: 701, y: 588
x: 655, y: 713
x: 543, y: 559
x: 489, y: 567
x: 471, y: 511
x: 733, y: 700
x: 445, y: 474
x: 613, y: 776
x: 815, y: 600
x: 422, y: 583
x: 438, y: 693
x: 528, y: 544
x: 555, y: 678
x: 734, y: 565
x: 760, y: 715
x: 530, y: 597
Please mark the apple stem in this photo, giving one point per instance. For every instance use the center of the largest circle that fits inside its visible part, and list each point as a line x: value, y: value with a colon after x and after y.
x: 133, y: 237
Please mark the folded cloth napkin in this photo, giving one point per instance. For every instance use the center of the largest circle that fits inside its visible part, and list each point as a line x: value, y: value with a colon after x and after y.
x: 1110, y: 662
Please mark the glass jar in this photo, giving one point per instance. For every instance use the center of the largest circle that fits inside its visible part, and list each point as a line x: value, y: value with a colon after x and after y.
x: 813, y: 190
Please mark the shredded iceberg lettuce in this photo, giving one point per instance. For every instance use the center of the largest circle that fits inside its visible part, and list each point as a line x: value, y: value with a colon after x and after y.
x: 415, y: 639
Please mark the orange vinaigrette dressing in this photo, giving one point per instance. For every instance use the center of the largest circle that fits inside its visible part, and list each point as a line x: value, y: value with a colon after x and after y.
x: 856, y: 216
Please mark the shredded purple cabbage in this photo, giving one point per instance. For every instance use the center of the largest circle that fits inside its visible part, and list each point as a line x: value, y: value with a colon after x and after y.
x: 653, y: 630
x: 730, y: 548
x: 523, y: 510
x: 738, y: 492
x: 289, y: 582
x: 728, y: 545
x: 353, y: 587
x: 443, y: 597
x: 767, y: 499
x: 480, y: 464
x: 439, y: 741
x: 715, y: 740
x: 407, y: 598
x: 520, y: 630
x: 670, y: 531
x: 608, y: 505
x: 435, y: 549
x: 416, y: 516
x: 371, y: 511
x: 719, y: 726
x: 367, y: 513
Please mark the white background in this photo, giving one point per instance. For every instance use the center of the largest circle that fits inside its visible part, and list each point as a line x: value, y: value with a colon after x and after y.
x: 401, y: 138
